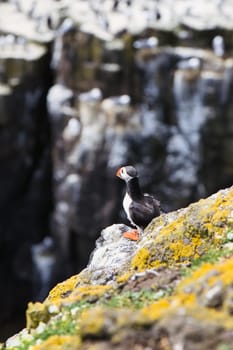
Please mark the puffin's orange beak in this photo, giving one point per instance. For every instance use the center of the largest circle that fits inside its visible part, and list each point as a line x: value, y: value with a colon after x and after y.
x: 118, y: 173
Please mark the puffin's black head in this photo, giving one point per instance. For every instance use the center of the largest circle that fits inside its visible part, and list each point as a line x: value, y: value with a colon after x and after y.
x: 127, y: 172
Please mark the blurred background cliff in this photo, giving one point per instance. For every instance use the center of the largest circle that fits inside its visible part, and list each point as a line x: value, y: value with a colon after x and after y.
x: 88, y: 86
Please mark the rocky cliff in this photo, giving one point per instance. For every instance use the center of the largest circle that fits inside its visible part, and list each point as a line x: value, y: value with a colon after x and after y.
x: 170, y: 290
x: 145, y: 83
x: 85, y: 87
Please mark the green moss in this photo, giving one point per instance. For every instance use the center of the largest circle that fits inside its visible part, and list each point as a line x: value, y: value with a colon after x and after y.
x: 211, y: 256
x: 63, y: 327
x: 135, y: 300
x: 64, y: 324
x: 224, y: 347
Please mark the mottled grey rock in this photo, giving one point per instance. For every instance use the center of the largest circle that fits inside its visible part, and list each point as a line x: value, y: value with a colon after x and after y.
x: 112, y: 254
x: 213, y: 297
x: 113, y: 246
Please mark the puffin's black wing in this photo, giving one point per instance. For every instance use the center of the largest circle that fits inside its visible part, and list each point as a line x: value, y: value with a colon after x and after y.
x: 144, y: 210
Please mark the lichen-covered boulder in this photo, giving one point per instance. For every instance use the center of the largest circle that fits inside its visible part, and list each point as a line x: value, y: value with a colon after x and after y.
x: 170, y: 290
x: 184, y: 235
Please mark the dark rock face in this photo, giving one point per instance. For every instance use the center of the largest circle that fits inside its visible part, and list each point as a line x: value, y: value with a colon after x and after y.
x: 153, y: 90
x: 25, y: 170
x: 170, y: 125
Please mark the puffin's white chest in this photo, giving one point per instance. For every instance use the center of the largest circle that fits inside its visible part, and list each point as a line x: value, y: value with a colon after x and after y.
x: 126, y: 204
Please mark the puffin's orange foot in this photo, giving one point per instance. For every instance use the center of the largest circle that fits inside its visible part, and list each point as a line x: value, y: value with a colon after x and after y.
x: 133, y: 235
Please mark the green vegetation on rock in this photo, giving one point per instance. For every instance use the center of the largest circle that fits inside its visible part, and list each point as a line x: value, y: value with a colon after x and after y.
x: 177, y: 289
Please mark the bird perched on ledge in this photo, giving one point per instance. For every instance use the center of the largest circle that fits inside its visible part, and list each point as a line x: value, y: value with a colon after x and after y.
x: 140, y: 208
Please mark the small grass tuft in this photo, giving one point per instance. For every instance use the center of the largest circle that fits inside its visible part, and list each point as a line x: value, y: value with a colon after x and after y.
x: 212, y: 256
x: 136, y: 300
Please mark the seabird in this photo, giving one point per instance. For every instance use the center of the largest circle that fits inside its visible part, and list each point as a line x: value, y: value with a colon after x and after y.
x: 140, y: 208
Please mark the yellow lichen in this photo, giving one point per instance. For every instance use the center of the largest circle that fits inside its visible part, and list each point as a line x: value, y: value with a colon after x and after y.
x: 190, y: 235
x: 181, y: 250
x: 36, y: 313
x: 205, y: 268
x: 210, y: 316
x: 174, y: 239
x: 157, y: 263
x: 91, y: 322
x: 125, y: 277
x: 215, y: 216
x: 58, y: 342
x: 83, y: 292
x: 156, y: 310
x: 211, y: 273
x: 186, y: 296
x: 140, y: 260
x: 161, y: 307
x: 183, y: 300
x: 67, y: 293
x: 62, y: 290
x: 225, y: 269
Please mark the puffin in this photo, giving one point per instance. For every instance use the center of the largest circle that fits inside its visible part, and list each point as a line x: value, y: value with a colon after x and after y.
x: 140, y: 207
